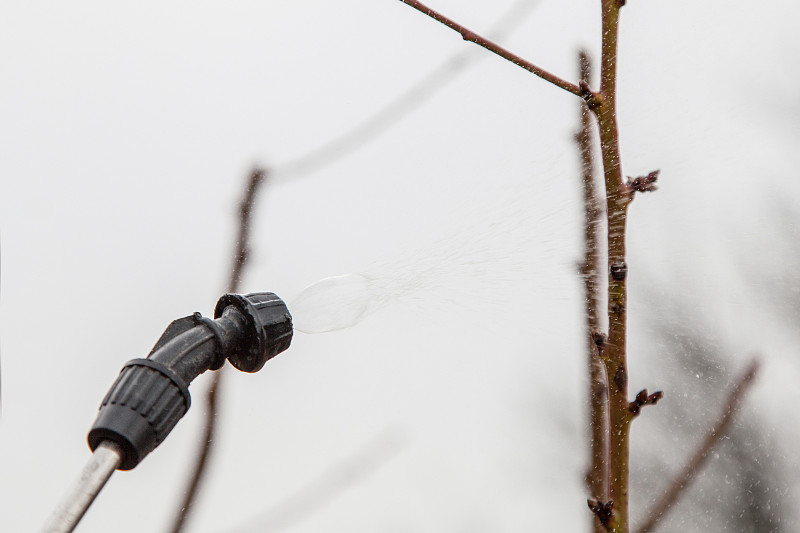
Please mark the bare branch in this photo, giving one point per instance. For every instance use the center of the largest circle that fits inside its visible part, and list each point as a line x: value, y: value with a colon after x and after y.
x: 469, y: 35
x: 698, y: 460
x: 614, y: 356
x: 590, y: 269
x: 240, y: 257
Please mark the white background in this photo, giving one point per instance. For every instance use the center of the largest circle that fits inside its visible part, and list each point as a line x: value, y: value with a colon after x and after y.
x: 129, y: 129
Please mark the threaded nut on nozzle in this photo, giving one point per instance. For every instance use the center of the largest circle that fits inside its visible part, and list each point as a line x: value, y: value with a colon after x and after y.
x: 140, y: 410
x: 269, y: 327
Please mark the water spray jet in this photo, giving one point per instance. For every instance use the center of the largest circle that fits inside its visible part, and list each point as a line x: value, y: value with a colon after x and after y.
x: 334, y: 303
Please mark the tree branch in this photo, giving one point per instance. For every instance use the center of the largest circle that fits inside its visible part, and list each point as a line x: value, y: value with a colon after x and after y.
x: 471, y: 36
x: 240, y: 257
x: 698, y: 460
x: 596, y: 475
x: 257, y: 177
x: 614, y: 356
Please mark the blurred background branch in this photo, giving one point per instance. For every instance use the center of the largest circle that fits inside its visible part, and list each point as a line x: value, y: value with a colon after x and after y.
x: 402, y: 105
x: 697, y: 462
x: 590, y: 270
x: 240, y: 255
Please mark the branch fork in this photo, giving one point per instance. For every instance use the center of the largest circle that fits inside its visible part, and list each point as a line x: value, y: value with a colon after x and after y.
x: 593, y: 100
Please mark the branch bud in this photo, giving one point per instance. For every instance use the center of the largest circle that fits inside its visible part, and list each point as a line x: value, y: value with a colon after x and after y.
x: 603, y: 511
x: 618, y: 270
x: 643, y: 183
x: 643, y: 399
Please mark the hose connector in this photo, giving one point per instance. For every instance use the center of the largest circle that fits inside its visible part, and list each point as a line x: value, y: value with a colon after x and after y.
x: 151, y: 395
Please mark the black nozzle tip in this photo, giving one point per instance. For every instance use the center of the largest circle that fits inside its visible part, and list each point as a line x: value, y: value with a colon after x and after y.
x: 269, y: 328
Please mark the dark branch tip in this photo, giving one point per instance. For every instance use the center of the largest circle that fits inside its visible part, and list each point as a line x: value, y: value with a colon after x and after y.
x: 653, y: 398
x: 643, y: 183
x: 643, y: 399
x: 603, y: 511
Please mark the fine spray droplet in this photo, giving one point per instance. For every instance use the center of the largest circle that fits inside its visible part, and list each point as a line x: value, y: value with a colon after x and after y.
x: 333, y: 303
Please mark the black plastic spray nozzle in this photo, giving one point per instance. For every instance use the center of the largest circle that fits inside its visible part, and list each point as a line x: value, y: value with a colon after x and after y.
x: 152, y: 394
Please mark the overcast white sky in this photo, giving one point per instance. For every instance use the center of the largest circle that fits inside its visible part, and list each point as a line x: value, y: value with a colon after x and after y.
x: 128, y: 130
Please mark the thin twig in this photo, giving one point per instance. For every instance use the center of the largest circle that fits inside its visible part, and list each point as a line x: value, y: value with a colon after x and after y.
x: 681, y: 482
x: 240, y: 257
x: 242, y: 253
x: 596, y: 475
x: 469, y: 35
